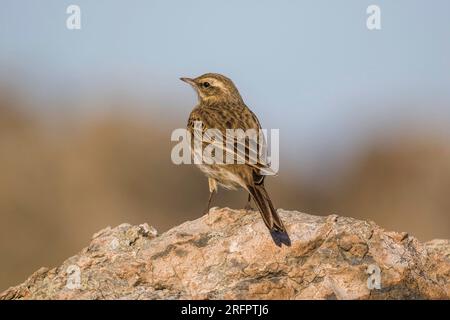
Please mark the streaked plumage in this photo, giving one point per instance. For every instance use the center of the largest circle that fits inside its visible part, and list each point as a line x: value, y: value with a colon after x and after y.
x: 222, y: 107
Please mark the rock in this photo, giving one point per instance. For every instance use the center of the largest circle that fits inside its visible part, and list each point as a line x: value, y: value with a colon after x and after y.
x: 229, y: 254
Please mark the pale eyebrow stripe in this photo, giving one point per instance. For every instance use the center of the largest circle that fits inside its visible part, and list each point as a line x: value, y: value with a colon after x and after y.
x: 215, y: 82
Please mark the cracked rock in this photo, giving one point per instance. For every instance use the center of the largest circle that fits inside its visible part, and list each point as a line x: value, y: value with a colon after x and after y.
x: 229, y: 254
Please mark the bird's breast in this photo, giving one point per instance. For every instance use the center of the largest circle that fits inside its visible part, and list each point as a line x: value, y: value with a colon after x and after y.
x: 225, y: 177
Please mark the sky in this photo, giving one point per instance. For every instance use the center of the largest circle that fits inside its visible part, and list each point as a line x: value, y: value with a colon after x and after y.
x: 310, y: 68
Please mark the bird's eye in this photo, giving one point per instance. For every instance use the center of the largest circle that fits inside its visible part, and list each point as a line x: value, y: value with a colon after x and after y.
x: 206, y: 84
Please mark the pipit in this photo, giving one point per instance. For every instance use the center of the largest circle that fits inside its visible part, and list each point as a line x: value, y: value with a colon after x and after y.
x: 221, y: 107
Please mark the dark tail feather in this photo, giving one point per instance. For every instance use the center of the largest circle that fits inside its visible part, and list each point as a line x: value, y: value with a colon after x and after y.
x: 269, y: 215
x: 280, y: 237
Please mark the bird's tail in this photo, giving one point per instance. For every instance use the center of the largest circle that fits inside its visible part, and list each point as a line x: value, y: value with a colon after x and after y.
x: 269, y: 214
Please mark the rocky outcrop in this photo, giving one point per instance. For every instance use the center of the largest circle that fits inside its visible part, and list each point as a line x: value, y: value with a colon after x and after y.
x: 229, y: 254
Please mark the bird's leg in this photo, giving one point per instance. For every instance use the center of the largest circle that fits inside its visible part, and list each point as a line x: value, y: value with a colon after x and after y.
x: 248, y: 206
x: 212, y: 189
x: 209, y: 201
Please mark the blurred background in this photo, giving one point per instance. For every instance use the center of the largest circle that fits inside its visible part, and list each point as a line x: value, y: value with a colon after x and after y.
x: 86, y: 115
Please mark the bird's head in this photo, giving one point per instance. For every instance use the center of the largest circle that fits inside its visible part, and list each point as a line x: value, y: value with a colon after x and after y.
x: 214, y: 87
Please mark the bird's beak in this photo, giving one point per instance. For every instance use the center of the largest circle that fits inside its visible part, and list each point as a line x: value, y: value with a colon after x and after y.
x: 189, y: 80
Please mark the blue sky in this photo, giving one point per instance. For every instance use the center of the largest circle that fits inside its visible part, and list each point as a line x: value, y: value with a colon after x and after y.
x: 310, y: 68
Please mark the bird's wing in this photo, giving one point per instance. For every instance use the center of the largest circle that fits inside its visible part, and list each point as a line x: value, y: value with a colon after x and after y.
x: 243, y: 149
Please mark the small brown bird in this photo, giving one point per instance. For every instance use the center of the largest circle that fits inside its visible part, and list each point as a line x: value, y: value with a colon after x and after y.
x: 221, y: 107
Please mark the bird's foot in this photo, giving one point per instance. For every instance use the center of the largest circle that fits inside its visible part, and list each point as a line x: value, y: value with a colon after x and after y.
x: 248, y: 207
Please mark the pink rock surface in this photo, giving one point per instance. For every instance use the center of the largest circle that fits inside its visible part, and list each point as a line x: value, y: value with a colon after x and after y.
x: 229, y: 254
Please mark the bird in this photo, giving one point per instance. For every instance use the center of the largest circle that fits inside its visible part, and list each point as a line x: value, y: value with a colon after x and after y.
x: 220, y: 106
